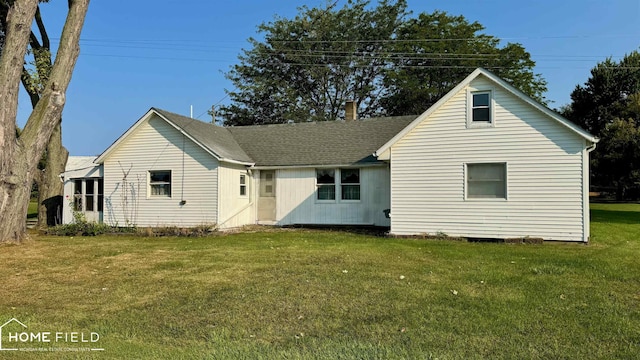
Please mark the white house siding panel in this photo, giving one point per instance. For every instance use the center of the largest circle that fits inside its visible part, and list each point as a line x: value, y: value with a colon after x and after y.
x: 234, y: 209
x: 296, y: 199
x: 544, y: 173
x: 156, y: 145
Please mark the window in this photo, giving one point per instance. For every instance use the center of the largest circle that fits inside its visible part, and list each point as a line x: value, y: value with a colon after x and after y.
x: 100, y: 194
x: 487, y: 181
x: 160, y: 183
x: 243, y: 185
x: 326, y: 180
x: 88, y: 194
x: 480, y: 109
x: 348, y: 184
x: 77, y: 194
x: 350, y: 180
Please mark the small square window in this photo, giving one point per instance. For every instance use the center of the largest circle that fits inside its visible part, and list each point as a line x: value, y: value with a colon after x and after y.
x: 487, y: 181
x: 160, y: 183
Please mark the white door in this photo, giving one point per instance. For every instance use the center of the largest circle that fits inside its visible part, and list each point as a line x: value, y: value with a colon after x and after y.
x: 267, y: 196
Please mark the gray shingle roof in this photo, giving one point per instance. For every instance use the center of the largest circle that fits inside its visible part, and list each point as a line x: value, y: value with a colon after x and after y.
x: 217, y: 139
x: 318, y: 143
x: 299, y: 144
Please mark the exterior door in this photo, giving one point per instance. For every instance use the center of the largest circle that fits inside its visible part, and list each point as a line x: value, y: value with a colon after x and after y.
x: 267, y: 196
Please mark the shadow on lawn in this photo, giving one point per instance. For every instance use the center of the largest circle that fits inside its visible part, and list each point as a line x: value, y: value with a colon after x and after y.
x: 612, y: 216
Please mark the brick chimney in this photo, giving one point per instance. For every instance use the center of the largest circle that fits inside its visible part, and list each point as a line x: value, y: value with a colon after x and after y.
x: 350, y: 110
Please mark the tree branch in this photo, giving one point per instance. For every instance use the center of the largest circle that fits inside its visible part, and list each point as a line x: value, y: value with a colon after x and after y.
x: 43, y: 31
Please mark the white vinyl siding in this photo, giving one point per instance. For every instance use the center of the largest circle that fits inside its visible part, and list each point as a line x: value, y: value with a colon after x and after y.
x: 297, y: 199
x: 234, y: 208
x: 545, y: 175
x: 156, y: 145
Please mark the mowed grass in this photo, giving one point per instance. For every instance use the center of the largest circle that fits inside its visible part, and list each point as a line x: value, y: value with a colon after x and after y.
x: 305, y: 294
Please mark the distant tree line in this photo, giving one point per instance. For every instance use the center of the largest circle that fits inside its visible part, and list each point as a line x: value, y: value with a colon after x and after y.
x: 608, y: 106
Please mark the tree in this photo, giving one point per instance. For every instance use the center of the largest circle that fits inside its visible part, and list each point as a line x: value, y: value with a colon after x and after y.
x: 308, y: 66
x: 19, y: 156
x: 434, y: 52
x: 604, y: 96
x: 384, y: 60
x: 608, y: 106
x: 54, y: 159
x: 619, y: 164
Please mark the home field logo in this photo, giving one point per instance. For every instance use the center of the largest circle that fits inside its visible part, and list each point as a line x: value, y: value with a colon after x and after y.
x: 15, y: 336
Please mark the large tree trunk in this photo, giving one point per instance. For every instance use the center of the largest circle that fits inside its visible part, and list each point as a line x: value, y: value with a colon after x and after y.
x: 19, y: 156
x: 50, y: 187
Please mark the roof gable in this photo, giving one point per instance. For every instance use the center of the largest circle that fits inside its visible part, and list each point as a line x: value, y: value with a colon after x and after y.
x: 215, y: 140
x: 552, y: 115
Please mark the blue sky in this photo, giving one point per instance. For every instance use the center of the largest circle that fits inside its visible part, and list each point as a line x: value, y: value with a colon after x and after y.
x: 173, y: 54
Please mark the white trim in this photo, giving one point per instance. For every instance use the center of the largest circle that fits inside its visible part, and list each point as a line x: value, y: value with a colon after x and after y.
x: 334, y: 166
x: 245, y: 185
x: 149, y: 195
x: 466, y: 181
x: 471, y: 124
x: 586, y: 216
x: 337, y: 183
x: 503, y: 84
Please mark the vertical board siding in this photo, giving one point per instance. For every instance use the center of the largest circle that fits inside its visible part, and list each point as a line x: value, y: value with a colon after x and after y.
x: 544, y: 173
x: 235, y: 210
x: 156, y: 145
x: 296, y: 199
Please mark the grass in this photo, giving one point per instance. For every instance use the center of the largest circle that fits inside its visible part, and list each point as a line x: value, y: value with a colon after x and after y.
x: 32, y: 212
x: 301, y: 294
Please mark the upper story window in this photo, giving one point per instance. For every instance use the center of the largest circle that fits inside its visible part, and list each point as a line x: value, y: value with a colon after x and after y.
x: 480, y: 109
x: 160, y: 183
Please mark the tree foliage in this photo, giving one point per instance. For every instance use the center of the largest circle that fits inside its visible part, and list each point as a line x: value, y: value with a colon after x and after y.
x: 608, y: 105
x: 386, y: 61
x: 434, y: 52
x: 605, y: 95
x: 307, y: 66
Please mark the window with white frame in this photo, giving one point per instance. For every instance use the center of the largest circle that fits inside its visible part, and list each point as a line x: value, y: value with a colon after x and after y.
x: 88, y: 194
x: 350, y: 184
x: 343, y: 184
x: 243, y: 184
x: 480, y: 110
x: 160, y: 183
x: 326, y: 182
x: 487, y: 181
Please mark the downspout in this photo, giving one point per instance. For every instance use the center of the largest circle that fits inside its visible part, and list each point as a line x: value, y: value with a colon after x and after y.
x: 587, y: 215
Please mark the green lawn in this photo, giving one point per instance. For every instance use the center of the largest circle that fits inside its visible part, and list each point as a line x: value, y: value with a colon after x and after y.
x: 300, y: 294
x: 32, y: 212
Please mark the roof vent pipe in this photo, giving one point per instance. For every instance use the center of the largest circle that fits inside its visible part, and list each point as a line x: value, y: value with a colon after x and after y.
x: 350, y: 110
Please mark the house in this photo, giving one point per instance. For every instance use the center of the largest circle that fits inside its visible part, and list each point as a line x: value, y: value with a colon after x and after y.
x: 485, y: 161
